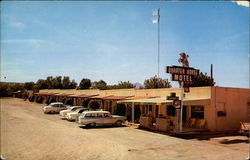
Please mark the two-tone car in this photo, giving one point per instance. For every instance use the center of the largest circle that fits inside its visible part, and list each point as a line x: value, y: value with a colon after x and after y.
x: 55, y: 107
x: 100, y: 118
x: 73, y: 116
x: 64, y: 113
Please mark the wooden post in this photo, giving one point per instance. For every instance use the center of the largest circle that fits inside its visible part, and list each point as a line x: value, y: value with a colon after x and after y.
x: 133, y: 112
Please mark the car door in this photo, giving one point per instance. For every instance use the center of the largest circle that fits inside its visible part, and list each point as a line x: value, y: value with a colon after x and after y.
x: 99, y: 119
x: 56, y: 107
x: 62, y: 107
x: 107, y: 119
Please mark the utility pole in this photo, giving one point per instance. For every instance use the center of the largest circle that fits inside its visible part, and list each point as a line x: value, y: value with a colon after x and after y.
x: 158, y: 19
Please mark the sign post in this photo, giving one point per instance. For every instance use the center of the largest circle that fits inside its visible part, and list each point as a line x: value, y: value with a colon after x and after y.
x: 182, y: 74
x: 182, y: 94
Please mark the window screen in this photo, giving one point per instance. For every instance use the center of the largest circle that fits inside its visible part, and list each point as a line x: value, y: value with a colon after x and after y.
x: 197, y: 112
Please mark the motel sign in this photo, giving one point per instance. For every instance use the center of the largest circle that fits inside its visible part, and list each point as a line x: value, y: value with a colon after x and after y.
x: 182, y: 74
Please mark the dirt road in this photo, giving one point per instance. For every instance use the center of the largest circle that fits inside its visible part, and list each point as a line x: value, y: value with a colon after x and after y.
x: 28, y: 134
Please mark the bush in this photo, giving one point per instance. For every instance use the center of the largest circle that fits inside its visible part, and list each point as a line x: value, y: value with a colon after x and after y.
x: 94, y: 105
x: 31, y: 99
x: 85, y: 83
x: 85, y: 103
x: 39, y: 99
x: 69, y: 102
x: 120, y: 110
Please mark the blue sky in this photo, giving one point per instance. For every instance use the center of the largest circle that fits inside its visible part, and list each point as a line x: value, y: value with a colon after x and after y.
x: 117, y: 41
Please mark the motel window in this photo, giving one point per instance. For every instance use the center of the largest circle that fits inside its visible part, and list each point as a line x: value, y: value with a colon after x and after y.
x: 149, y: 107
x: 99, y: 114
x: 171, y: 110
x: 106, y: 115
x: 197, y: 112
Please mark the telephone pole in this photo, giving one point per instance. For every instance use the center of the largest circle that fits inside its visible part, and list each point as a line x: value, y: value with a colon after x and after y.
x: 158, y: 19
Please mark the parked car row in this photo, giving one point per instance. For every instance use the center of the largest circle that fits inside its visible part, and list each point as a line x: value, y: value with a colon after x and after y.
x: 84, y: 116
x: 55, y: 107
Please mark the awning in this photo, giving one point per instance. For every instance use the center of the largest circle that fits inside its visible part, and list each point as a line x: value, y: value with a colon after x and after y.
x: 45, y: 94
x: 159, y: 101
x: 100, y: 97
x: 147, y: 101
x: 83, y: 95
x: 64, y: 94
x: 117, y: 97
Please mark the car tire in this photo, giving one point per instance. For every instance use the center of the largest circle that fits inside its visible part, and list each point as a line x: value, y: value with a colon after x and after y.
x: 87, y: 125
x: 118, y: 123
x: 92, y: 124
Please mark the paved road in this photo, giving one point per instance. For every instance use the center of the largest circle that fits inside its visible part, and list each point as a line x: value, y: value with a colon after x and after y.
x: 28, y: 134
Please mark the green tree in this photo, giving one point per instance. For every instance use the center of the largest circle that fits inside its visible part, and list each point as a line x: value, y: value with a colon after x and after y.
x: 99, y: 85
x: 125, y: 84
x: 41, y: 84
x: 72, y: 84
x: 121, y: 85
x: 66, y: 83
x: 49, y: 82
x: 4, y: 89
x: 85, y: 83
x: 155, y: 82
x: 57, y: 82
x: 7, y: 88
x: 29, y: 85
x: 201, y: 80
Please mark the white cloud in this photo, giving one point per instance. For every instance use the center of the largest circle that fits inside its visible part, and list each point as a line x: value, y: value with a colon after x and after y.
x: 107, y: 48
x: 36, y: 43
x: 155, y: 13
x: 155, y: 21
x: 17, y: 25
x: 16, y: 63
x: 242, y: 3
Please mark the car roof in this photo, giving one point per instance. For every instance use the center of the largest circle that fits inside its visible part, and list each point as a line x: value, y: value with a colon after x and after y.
x: 56, y: 103
x: 96, y: 112
x: 76, y: 106
x: 78, y: 109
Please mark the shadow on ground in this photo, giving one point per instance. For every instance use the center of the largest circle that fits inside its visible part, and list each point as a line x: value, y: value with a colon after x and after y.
x: 102, y: 127
x: 233, y: 141
x: 203, y: 136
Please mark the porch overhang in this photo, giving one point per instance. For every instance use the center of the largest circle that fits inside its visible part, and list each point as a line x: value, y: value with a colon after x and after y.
x: 159, y: 101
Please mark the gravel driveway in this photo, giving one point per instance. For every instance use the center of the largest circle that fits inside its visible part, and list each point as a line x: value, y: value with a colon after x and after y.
x: 29, y: 134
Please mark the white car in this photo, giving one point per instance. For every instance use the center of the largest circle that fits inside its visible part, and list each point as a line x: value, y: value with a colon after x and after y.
x: 95, y: 118
x: 55, y: 107
x: 72, y: 116
x: 63, y: 113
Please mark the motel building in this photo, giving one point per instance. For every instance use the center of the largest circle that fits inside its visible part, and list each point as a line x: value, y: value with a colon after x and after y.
x: 208, y: 109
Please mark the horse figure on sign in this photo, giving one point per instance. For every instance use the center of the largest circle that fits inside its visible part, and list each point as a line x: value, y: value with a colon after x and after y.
x: 184, y: 59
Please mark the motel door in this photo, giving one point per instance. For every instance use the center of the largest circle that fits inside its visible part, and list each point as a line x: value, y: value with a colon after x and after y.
x: 156, y: 111
x: 184, y: 113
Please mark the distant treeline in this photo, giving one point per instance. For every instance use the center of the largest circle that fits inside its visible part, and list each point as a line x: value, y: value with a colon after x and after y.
x: 59, y: 82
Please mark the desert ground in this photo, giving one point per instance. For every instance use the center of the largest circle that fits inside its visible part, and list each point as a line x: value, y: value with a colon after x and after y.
x: 27, y: 134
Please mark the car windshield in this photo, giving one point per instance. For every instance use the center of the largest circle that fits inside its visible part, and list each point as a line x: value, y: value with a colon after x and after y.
x: 78, y: 110
x: 83, y: 110
x: 74, y: 108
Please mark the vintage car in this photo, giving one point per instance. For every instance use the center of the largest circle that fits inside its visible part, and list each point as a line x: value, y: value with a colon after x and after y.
x: 72, y: 116
x: 63, y: 113
x: 55, y: 107
x: 98, y: 118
